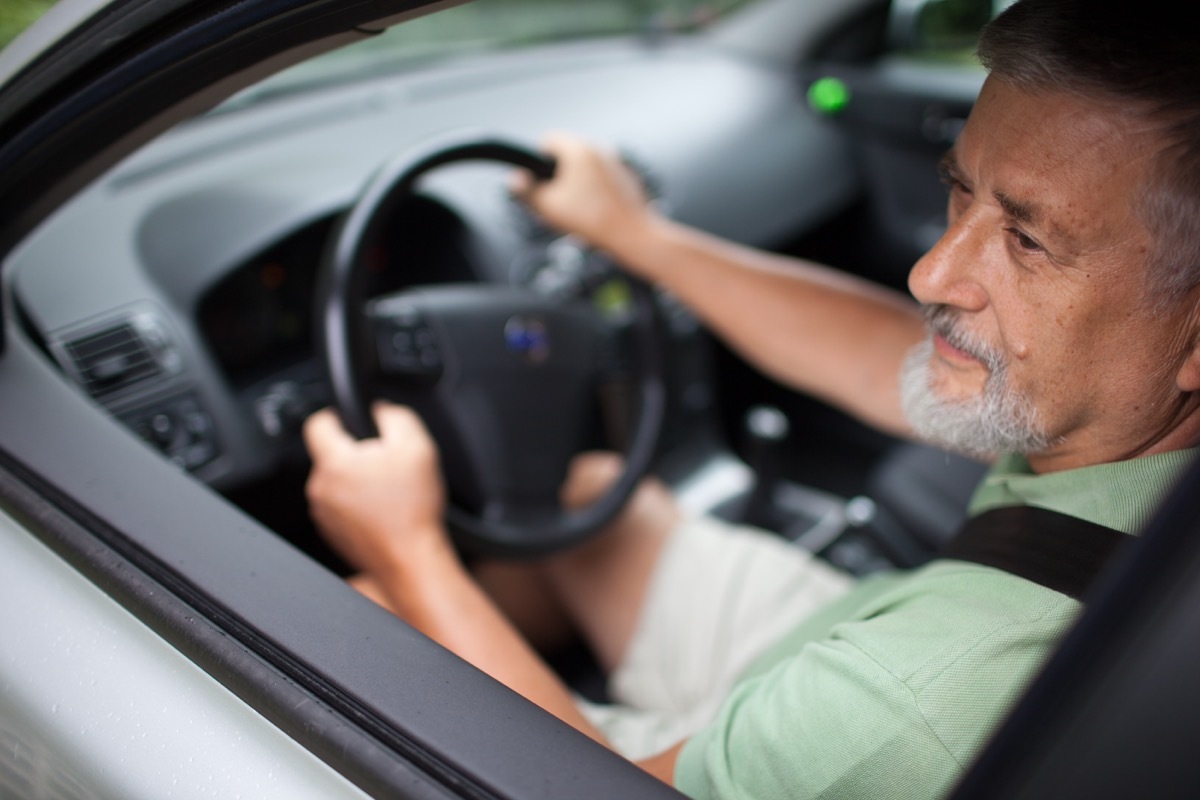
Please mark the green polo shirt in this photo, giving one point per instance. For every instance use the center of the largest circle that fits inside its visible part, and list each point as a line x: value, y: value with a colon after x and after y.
x: 892, y: 689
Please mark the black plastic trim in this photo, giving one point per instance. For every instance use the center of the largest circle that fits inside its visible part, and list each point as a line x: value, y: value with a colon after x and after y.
x: 1116, y: 710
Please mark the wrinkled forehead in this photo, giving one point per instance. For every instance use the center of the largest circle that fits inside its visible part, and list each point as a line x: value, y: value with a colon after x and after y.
x: 1075, y: 164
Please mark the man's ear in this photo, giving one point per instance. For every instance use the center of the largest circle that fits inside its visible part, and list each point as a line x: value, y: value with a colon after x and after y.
x: 1188, y: 377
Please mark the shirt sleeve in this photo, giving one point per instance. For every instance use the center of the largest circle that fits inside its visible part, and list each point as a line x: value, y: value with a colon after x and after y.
x: 830, y: 723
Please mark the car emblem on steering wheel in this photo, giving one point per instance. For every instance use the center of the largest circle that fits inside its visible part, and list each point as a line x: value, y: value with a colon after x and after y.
x: 528, y: 337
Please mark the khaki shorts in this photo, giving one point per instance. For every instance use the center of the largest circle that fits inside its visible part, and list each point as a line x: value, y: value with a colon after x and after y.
x: 720, y: 595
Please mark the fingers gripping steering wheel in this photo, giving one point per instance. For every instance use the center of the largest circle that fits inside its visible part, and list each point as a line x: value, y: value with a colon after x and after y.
x: 503, y: 377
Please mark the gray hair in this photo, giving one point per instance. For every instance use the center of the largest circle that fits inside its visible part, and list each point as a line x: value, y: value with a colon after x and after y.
x: 1145, y: 55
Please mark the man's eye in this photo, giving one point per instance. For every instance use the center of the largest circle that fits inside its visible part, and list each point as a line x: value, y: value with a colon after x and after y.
x: 1024, y: 241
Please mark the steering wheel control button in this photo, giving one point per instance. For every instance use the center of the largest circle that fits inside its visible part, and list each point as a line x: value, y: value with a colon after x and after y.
x: 408, y: 347
x: 282, y: 409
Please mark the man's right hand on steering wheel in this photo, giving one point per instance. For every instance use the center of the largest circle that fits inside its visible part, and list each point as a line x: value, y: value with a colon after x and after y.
x: 379, y: 500
x: 594, y: 194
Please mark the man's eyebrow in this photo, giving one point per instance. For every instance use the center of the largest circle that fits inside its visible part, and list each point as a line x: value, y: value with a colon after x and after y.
x: 1022, y: 211
x: 1030, y: 213
x: 1026, y: 212
x: 947, y: 166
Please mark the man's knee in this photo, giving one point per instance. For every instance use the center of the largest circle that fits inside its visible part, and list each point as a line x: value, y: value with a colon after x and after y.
x: 648, y: 516
x: 590, y: 475
x: 603, y: 582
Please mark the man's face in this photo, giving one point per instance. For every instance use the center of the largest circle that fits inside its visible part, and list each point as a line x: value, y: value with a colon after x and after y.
x: 1041, y: 282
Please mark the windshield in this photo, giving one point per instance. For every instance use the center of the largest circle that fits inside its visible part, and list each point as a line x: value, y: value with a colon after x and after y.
x: 490, y: 25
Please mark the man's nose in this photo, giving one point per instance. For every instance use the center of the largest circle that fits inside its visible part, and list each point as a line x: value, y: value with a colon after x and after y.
x: 951, y: 272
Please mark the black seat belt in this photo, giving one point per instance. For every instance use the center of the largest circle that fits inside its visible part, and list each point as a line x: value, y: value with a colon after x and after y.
x: 1058, y: 551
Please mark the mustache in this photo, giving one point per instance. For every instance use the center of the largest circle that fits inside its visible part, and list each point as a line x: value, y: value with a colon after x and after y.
x: 947, y: 323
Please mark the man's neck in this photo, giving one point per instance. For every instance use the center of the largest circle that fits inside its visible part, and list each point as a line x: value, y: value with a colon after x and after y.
x: 1180, y: 432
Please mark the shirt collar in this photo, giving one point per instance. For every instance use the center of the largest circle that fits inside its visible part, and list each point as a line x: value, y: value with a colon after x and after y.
x: 1123, y: 495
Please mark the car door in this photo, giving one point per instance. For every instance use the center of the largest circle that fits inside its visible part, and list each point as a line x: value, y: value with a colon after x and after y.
x: 158, y: 640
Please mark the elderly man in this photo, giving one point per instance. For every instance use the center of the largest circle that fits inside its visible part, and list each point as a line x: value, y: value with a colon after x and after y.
x: 1057, y: 330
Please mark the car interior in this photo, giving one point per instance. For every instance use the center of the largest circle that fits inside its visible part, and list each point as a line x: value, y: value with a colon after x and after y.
x: 186, y: 294
x: 195, y: 264
x: 198, y: 270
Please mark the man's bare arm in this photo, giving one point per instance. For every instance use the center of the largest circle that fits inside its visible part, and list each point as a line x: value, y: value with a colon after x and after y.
x: 442, y: 601
x: 379, y: 503
x: 662, y: 766
x: 814, y: 328
x: 811, y: 327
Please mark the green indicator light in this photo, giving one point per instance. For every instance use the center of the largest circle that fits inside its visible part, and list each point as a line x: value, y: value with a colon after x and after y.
x: 828, y: 96
x: 614, y: 298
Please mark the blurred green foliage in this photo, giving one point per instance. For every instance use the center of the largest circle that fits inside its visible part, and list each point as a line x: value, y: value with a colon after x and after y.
x: 953, y: 24
x: 516, y: 22
x: 948, y: 30
x: 540, y: 18
x: 486, y: 25
x: 17, y: 15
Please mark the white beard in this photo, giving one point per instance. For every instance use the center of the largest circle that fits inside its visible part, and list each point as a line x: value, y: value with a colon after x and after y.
x: 998, y: 420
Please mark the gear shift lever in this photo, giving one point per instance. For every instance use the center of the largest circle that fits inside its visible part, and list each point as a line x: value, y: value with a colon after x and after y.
x: 767, y: 429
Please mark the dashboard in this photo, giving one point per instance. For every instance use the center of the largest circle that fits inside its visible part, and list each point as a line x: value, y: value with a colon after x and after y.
x: 193, y: 264
x: 258, y: 320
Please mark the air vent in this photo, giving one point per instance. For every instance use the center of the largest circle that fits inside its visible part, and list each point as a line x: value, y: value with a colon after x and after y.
x: 112, y: 359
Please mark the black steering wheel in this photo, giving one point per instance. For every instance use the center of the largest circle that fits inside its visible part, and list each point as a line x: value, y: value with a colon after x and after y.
x: 504, y: 377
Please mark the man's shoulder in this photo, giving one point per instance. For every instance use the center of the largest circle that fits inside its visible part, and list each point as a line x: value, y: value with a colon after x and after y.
x: 940, y: 614
x: 928, y: 666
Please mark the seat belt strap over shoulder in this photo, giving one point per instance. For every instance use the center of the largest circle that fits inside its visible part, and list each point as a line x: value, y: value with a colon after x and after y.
x: 1055, y: 550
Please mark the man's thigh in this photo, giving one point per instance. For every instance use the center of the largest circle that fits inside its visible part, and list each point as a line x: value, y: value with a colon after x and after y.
x: 720, y: 595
